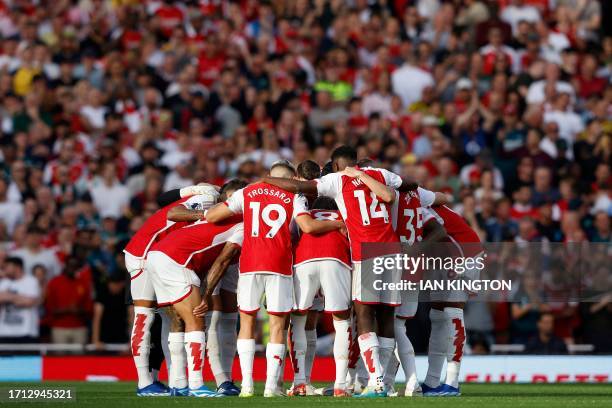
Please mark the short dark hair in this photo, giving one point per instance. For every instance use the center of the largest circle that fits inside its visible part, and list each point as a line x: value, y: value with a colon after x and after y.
x: 14, y: 260
x: 232, y: 185
x: 308, y: 170
x: 365, y: 162
x: 328, y: 168
x: 325, y: 203
x: 344, y: 152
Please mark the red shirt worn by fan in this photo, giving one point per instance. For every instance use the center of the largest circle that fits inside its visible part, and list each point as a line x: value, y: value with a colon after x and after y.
x: 268, y: 212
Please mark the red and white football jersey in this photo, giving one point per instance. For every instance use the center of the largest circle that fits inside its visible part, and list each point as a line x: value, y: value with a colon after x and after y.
x: 366, y: 218
x: 268, y: 212
x: 408, y: 212
x: 197, y: 245
x: 332, y: 245
x: 458, y: 230
x: 158, y: 226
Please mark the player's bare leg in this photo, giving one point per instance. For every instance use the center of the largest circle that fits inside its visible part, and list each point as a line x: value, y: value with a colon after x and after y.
x: 221, y: 338
x: 195, y: 342
x: 144, y: 314
x: 177, y: 378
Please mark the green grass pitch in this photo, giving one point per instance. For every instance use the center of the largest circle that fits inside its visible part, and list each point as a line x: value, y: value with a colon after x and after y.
x: 118, y: 395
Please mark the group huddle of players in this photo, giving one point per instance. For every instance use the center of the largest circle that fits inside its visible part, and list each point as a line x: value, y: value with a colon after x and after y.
x: 292, y: 242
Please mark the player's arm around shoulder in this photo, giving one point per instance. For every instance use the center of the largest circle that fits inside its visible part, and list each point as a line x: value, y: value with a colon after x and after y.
x: 382, y: 191
x: 218, y: 213
x: 292, y: 185
x: 309, y: 225
x: 181, y: 213
x: 222, y: 211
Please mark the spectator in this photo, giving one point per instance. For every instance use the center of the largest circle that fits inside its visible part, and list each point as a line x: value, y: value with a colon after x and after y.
x: 528, y: 304
x: 110, y: 197
x: 33, y: 253
x: 110, y: 313
x: 542, y: 189
x: 20, y: 296
x: 68, y: 306
x: 517, y: 11
x: 325, y: 114
x: 545, y: 342
x: 602, y: 231
x: 104, y: 107
x: 11, y: 212
x: 409, y: 81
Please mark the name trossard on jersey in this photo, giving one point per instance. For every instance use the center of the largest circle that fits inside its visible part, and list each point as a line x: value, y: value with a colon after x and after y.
x: 268, y: 212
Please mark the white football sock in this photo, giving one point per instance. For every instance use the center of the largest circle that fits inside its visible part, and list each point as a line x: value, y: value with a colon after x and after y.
x: 354, y: 359
x: 405, y: 353
x: 195, y: 345
x: 298, y: 348
x: 363, y: 376
x: 281, y: 377
x: 246, y: 354
x: 165, y: 332
x: 228, y: 334
x: 141, y: 343
x: 438, y: 346
x: 213, y: 348
x: 275, y: 354
x: 456, y: 343
x: 391, y: 370
x: 176, y: 344
x: 341, y: 351
x: 311, y: 350
x: 370, y: 353
x: 387, y: 346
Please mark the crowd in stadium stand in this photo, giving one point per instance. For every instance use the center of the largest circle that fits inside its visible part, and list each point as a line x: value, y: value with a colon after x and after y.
x: 506, y: 105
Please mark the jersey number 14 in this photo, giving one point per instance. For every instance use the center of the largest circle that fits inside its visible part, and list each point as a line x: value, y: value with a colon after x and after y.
x: 375, y: 210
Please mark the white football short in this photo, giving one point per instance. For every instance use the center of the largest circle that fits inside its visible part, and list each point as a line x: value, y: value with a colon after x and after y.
x: 278, y: 290
x: 141, y: 286
x: 330, y: 277
x: 171, y: 281
x: 369, y: 288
